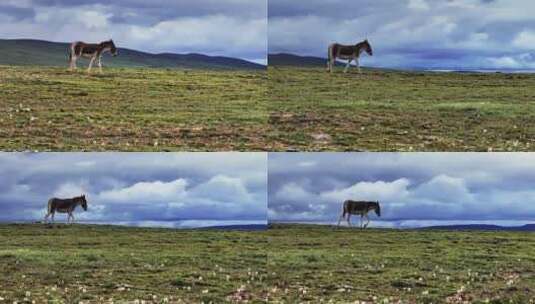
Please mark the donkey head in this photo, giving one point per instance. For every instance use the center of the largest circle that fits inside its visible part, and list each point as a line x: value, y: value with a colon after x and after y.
x: 368, y: 47
x: 377, y: 208
x: 113, y: 49
x: 83, y: 202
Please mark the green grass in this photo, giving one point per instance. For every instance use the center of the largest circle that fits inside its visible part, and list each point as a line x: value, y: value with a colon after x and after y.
x: 320, y: 264
x: 128, y: 109
x: 101, y: 264
x: 287, y: 264
x: 400, y: 111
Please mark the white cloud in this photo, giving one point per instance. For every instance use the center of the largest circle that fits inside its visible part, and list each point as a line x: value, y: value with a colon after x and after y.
x: 525, y: 40
x: 418, y: 5
x: 222, y: 188
x: 445, y: 189
x: 379, y: 190
x: 147, y: 192
x: 293, y: 192
x: 71, y: 189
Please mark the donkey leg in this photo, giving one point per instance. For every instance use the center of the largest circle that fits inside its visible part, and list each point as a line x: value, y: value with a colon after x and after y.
x: 340, y: 219
x: 349, y: 219
x: 367, y: 221
x: 90, y: 64
x: 73, y: 63
x: 46, y: 217
x: 100, y: 64
x: 358, y: 65
x: 347, y: 65
x: 53, y: 217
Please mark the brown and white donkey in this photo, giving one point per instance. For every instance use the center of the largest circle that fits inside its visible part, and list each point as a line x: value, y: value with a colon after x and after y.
x: 347, y: 52
x: 91, y: 51
x: 65, y: 205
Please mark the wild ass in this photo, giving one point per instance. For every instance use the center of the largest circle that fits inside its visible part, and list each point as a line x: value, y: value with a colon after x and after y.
x: 349, y: 52
x: 65, y: 206
x: 91, y: 51
x: 359, y: 208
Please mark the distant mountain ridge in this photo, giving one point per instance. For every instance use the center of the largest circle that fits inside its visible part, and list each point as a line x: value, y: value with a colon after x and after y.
x: 480, y: 227
x: 285, y: 59
x: 45, y: 53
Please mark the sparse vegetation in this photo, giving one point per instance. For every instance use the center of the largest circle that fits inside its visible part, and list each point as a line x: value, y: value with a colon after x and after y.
x: 105, y: 264
x: 287, y: 264
x: 129, y: 109
x: 320, y: 264
x: 382, y: 110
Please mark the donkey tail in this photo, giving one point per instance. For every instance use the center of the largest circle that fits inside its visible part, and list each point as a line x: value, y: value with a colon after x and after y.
x: 50, y: 207
x: 329, y: 56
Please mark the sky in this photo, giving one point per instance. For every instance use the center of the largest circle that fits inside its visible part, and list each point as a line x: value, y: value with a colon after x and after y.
x: 234, y: 28
x: 414, y: 189
x: 469, y: 34
x: 143, y: 189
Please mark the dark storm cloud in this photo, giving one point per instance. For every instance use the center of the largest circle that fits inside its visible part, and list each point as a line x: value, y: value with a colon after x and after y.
x: 236, y: 28
x: 411, y: 187
x: 136, y: 186
x: 410, y: 33
x: 18, y: 13
x: 174, y: 8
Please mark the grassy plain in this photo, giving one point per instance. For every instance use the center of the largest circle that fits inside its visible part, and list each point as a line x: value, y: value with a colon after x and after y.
x: 382, y: 110
x: 106, y: 264
x: 286, y: 264
x: 132, y: 109
x: 320, y: 264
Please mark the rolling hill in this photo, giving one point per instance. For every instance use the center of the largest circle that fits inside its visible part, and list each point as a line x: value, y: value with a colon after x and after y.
x: 29, y: 52
x: 283, y: 59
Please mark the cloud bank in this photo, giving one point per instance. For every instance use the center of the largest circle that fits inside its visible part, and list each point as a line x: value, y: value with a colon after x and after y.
x: 464, y: 34
x: 235, y: 28
x: 414, y: 189
x: 199, y: 188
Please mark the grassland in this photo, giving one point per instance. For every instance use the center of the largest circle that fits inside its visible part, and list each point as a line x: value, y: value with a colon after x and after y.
x: 127, y: 109
x: 103, y: 264
x: 319, y: 264
x: 400, y: 111
x: 287, y: 264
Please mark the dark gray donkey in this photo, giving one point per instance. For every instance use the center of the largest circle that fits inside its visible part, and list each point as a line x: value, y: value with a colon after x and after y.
x: 66, y: 205
x: 359, y: 208
x: 91, y: 51
x: 349, y: 52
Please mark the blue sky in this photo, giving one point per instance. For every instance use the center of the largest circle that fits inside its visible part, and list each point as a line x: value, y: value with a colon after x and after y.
x: 152, y: 189
x: 235, y: 28
x: 414, y: 189
x: 494, y: 34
